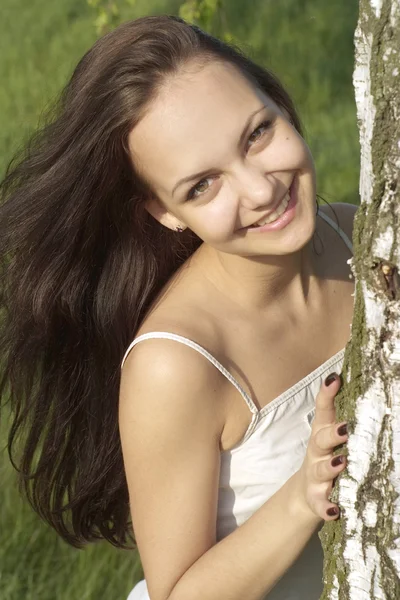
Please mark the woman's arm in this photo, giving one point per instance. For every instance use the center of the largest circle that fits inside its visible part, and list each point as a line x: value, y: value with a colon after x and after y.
x: 171, y: 421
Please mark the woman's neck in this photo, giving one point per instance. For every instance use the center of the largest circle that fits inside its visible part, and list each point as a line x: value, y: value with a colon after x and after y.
x: 263, y: 284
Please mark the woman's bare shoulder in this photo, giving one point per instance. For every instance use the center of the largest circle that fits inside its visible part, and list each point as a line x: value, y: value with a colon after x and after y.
x: 171, y: 361
x: 166, y: 384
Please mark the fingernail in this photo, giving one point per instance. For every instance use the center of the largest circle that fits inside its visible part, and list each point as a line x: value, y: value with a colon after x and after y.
x: 342, y: 430
x: 337, y: 460
x: 330, y: 379
x: 332, y: 511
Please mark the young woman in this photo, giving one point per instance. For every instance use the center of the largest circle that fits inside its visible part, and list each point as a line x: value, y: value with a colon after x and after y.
x: 172, y: 202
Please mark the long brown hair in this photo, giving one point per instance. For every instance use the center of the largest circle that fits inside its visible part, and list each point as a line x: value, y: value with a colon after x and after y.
x: 81, y: 261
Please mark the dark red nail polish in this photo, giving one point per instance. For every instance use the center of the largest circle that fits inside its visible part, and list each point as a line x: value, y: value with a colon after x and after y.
x: 332, y: 511
x: 337, y: 460
x: 330, y: 379
x: 342, y: 430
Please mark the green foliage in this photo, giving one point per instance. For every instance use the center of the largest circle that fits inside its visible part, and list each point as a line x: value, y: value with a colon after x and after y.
x: 201, y: 12
x: 210, y: 15
x: 108, y: 14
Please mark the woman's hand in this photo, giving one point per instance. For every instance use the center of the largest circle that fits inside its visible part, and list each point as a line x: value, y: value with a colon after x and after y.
x: 320, y: 466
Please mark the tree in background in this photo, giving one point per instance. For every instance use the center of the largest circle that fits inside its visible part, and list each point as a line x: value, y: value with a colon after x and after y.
x: 362, y: 549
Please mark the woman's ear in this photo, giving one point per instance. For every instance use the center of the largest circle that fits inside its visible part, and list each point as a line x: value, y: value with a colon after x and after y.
x: 162, y: 215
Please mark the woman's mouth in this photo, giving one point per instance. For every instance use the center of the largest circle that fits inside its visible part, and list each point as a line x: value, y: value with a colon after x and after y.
x: 276, y: 214
x: 281, y: 216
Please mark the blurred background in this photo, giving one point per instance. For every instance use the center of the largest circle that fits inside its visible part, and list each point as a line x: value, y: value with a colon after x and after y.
x: 307, y: 43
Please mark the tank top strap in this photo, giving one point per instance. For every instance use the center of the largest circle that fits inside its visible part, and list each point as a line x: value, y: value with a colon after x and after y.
x: 336, y: 227
x: 201, y: 350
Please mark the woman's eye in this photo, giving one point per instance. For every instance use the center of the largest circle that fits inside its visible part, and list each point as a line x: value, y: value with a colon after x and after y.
x: 259, y: 131
x: 202, y: 187
x: 199, y: 189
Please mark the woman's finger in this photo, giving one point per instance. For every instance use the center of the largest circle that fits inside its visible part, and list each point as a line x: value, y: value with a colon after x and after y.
x: 326, y: 470
x: 327, y: 438
x: 325, y: 401
x: 324, y: 508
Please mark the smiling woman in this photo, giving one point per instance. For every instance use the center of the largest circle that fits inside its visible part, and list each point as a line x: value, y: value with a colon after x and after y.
x: 173, y: 201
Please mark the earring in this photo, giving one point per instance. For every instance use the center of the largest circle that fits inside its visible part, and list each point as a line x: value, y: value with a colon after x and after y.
x: 179, y: 229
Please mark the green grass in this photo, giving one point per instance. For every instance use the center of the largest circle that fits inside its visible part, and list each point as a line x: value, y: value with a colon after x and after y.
x: 35, y: 564
x: 40, y: 41
x: 309, y: 44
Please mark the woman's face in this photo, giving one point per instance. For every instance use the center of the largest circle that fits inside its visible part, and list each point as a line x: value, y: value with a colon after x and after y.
x: 220, y: 157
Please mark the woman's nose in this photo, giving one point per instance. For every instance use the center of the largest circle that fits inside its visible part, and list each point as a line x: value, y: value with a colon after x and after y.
x: 255, y: 188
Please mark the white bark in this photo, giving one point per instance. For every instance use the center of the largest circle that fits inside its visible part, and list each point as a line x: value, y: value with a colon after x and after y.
x: 363, y: 550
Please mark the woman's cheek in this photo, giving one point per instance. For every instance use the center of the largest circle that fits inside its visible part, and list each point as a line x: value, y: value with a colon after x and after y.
x: 220, y: 218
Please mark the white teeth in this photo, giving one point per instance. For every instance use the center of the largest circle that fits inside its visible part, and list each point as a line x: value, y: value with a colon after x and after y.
x: 277, y: 213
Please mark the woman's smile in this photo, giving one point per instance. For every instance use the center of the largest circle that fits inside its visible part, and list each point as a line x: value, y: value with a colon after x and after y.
x: 281, y: 216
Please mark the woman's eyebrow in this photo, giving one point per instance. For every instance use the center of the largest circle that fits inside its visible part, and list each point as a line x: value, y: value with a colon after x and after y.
x: 206, y: 172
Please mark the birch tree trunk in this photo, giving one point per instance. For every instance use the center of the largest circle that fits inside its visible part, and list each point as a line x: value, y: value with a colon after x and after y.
x: 362, y: 549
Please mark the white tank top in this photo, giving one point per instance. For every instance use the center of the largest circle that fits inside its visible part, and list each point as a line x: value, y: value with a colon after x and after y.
x: 271, y: 451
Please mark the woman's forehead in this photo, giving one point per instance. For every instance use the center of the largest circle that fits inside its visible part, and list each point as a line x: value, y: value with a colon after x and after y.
x: 184, y: 97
